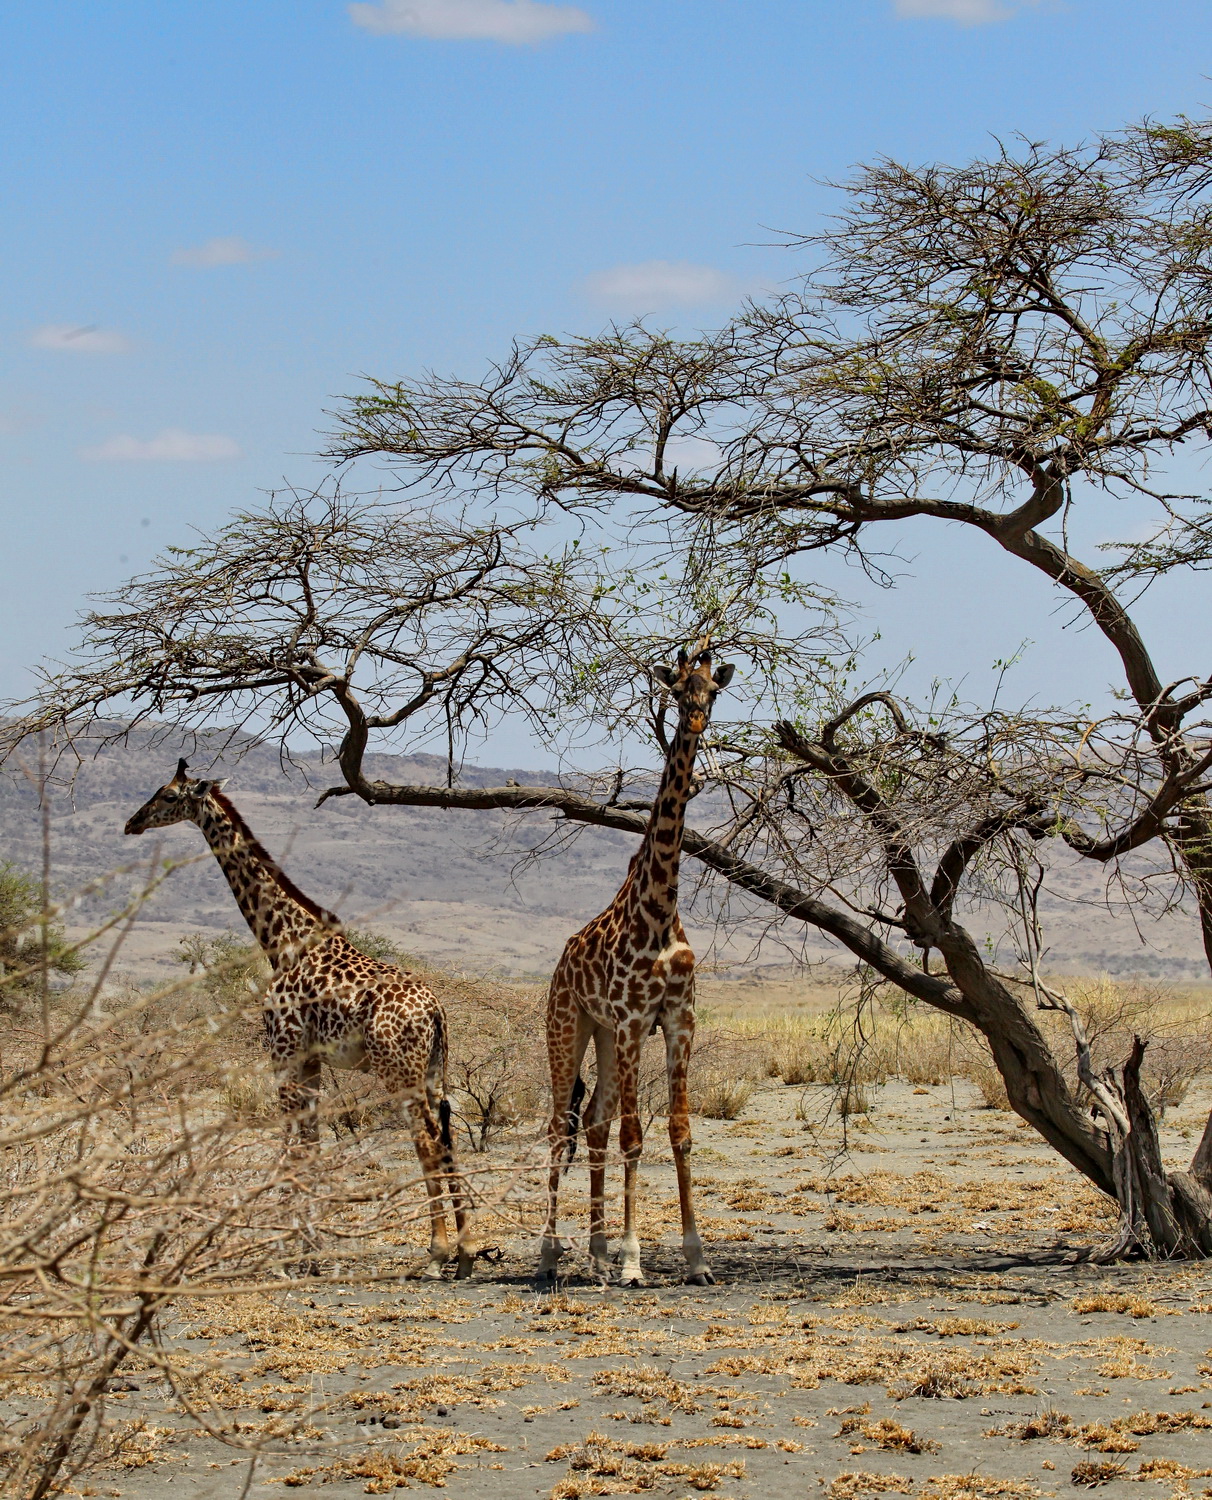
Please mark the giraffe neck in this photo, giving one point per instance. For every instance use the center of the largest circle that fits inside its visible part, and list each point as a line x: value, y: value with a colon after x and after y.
x: 658, y: 859
x: 282, y: 919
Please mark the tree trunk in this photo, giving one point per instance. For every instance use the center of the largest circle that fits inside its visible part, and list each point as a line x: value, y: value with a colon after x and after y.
x: 1166, y: 1214
x: 1162, y: 1214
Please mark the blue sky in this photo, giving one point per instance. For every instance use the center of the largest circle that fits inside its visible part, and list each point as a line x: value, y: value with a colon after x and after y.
x: 219, y: 215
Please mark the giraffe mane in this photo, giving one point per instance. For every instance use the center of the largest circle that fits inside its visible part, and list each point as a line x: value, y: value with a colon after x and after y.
x: 280, y: 877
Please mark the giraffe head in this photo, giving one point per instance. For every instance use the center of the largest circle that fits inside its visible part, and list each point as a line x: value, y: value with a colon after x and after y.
x: 178, y: 801
x: 694, y: 683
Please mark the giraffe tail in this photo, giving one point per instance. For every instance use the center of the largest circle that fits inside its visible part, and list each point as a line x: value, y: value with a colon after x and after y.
x: 572, y: 1123
x: 437, y: 1070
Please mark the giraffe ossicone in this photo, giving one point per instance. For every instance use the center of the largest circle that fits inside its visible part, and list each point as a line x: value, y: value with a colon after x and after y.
x: 329, y: 1002
x: 624, y: 974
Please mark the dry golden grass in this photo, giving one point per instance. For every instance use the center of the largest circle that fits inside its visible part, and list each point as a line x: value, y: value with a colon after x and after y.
x: 430, y: 1460
x: 852, y: 1047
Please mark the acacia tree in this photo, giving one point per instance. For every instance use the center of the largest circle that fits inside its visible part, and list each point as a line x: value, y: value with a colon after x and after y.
x: 989, y: 345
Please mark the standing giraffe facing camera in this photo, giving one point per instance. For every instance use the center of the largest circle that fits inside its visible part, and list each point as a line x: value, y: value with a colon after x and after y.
x: 327, y: 1001
x: 626, y: 973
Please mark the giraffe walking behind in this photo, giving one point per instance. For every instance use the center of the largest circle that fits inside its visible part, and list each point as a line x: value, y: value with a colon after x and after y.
x: 328, y: 1002
x: 627, y: 972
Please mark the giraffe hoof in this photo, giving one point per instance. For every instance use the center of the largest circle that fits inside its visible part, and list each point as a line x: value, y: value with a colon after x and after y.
x: 636, y: 1280
x: 700, y: 1278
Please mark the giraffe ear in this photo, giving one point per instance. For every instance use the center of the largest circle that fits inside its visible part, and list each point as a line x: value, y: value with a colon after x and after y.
x: 666, y: 676
x: 722, y: 675
x: 216, y: 786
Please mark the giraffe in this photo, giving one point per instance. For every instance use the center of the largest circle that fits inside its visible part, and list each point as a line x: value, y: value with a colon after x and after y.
x: 327, y: 1001
x: 627, y: 972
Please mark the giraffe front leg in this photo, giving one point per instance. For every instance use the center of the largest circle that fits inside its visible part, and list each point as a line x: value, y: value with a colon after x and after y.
x: 600, y: 1115
x: 298, y: 1080
x: 309, y: 1123
x: 298, y: 1091
x: 550, y: 1247
x: 567, y: 1037
x: 631, y: 1142
x: 679, y: 1038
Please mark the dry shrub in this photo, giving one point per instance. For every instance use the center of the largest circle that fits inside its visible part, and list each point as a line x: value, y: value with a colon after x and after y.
x: 888, y: 1433
x: 1179, y: 1035
x: 430, y: 1459
x: 718, y: 1096
x: 601, y: 1466
x: 1091, y: 1474
x: 1131, y: 1303
x: 726, y: 1066
x: 854, y: 1486
x: 976, y: 1487
x: 144, y: 1169
x: 26, y: 941
x: 250, y: 1094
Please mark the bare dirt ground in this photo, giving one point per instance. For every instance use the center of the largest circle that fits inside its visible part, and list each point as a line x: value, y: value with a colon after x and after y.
x: 901, y: 1317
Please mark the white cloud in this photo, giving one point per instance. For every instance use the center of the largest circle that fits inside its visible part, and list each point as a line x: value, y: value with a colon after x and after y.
x: 229, y: 250
x: 659, y: 283
x: 78, y: 338
x: 513, y: 21
x: 964, y: 12
x: 173, y: 445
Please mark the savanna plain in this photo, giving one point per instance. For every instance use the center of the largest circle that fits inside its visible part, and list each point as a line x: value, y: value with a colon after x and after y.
x: 904, y: 1301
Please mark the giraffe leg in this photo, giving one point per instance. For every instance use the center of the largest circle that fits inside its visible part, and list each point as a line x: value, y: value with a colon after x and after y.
x: 298, y: 1087
x: 631, y: 1142
x: 567, y: 1039
x: 457, y: 1189
x: 679, y: 1038
x: 426, y: 1137
x: 600, y: 1116
x: 298, y: 1093
x: 309, y: 1125
x: 460, y: 1200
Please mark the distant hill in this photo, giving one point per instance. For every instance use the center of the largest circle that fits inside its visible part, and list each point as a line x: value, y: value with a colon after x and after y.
x: 456, y: 887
